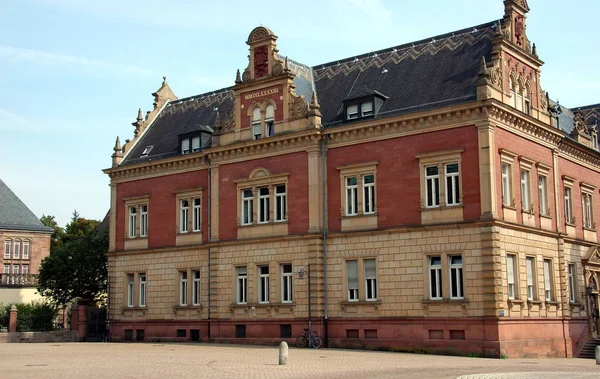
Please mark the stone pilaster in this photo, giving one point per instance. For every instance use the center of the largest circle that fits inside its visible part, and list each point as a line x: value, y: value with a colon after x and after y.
x: 491, y: 263
x: 487, y: 170
x: 315, y: 190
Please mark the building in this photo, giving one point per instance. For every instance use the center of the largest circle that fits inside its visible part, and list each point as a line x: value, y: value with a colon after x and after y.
x: 24, y: 242
x: 426, y: 196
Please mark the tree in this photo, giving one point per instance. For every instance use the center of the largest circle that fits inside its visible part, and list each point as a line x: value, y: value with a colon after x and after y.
x: 77, y: 269
x: 57, y: 235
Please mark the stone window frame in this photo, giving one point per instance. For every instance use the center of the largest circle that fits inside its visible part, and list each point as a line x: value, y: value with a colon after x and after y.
x: 287, y: 276
x: 261, y: 178
x: 569, y: 182
x: 142, y: 289
x: 188, y: 194
x: 263, y: 280
x: 516, y: 276
x: 358, y: 170
x: 264, y: 121
x: 17, y: 248
x: 190, y: 283
x: 361, y: 278
x: 240, y: 300
x: 133, y: 292
x: 136, y: 202
x: 534, y: 275
x: 549, y: 280
x: 445, y: 281
x: 526, y: 166
x: 544, y: 170
x: 587, y: 190
x: 572, y: 278
x: 507, y: 157
x: 462, y: 277
x: 8, y: 248
x: 440, y: 159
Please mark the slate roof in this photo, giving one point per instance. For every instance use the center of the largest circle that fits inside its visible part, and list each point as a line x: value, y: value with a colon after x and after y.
x: 591, y: 113
x: 426, y: 74
x: 14, y: 214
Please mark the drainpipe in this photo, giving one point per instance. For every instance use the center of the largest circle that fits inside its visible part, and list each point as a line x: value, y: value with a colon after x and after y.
x: 209, y: 185
x: 324, y: 229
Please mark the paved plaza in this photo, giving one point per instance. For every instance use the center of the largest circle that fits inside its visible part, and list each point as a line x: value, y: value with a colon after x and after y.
x: 158, y: 360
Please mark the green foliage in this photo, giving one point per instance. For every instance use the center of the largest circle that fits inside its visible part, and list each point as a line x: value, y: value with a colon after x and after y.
x: 36, y: 316
x: 77, y: 269
x: 57, y: 235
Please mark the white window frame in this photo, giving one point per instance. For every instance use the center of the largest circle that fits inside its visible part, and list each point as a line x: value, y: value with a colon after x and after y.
x: 130, y: 290
x: 351, y: 196
x: 568, y: 196
x: 511, y: 274
x: 196, y: 214
x: 195, y: 144
x: 6, y: 269
x: 24, y: 269
x: 144, y: 220
x: 525, y: 190
x: 352, y: 280
x: 196, y: 283
x: 143, y: 284
x: 287, y: 282
x: 185, y: 146
x: 432, y: 187
x: 183, y: 288
x: 531, y: 275
x: 256, y: 124
x: 184, y: 215
x: 263, y: 284
x: 264, y: 205
x: 572, y: 283
x: 367, y: 109
x: 456, y: 277
x: 7, y: 248
x: 506, y: 184
x: 453, y: 182
x: 247, y: 207
x: 548, y: 290
x: 587, y: 205
x: 280, y: 203
x: 352, y: 112
x: 241, y: 284
x: 17, y: 249
x: 543, y: 194
x: 132, y: 221
x: 270, y: 121
x: 370, y: 279
x: 368, y: 194
x: 435, y: 278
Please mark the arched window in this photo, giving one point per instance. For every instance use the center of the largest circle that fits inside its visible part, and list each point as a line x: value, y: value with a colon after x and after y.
x: 17, y: 249
x: 270, y: 121
x: 256, y: 124
x: 519, y: 90
x: 527, y: 104
x: 513, y: 92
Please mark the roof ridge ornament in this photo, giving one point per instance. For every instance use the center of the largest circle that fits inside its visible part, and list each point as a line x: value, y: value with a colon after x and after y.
x: 238, y: 78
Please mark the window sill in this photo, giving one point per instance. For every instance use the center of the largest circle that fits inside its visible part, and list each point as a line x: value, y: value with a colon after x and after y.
x: 188, y: 233
x: 266, y: 306
x: 359, y: 215
x: 452, y: 213
x: 445, y: 301
x: 516, y: 301
x: 268, y: 229
x: 577, y: 305
x: 511, y: 207
x: 178, y: 307
x: 441, y: 207
x: 530, y: 303
x: 569, y: 224
x: 590, y: 229
x: 361, y: 303
x: 553, y: 302
x: 129, y: 310
x: 360, y: 221
x: 549, y: 217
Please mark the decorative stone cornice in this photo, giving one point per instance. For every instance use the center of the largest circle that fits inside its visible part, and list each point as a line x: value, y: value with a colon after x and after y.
x: 580, y: 154
x: 155, y: 168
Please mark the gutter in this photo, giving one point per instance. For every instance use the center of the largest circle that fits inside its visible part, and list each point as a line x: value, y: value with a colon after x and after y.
x: 324, y: 231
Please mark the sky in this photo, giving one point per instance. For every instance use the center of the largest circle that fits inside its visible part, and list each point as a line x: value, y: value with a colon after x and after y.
x: 73, y: 73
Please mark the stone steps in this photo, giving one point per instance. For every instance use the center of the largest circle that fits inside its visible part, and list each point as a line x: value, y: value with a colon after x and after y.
x: 589, y: 349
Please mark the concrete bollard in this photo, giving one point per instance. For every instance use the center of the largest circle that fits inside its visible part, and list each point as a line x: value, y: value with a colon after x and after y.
x: 283, y: 353
x: 598, y: 355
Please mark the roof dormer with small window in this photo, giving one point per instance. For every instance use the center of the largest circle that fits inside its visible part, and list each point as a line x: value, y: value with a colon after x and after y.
x: 362, y: 106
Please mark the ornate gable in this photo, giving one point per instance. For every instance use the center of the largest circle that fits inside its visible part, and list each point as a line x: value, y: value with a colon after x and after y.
x: 593, y: 255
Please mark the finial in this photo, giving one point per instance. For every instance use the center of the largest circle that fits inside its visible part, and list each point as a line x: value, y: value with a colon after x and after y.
x: 534, y: 50
x: 238, y: 78
x: 164, y: 80
x: 499, y: 29
x: 139, y: 116
x: 117, y: 147
x: 314, y: 104
x: 286, y: 65
x: 217, y: 120
x: 483, y: 68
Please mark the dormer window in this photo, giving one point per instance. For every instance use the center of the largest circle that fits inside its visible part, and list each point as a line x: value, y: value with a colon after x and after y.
x: 366, y: 109
x: 352, y: 112
x: 365, y: 105
x: 147, y: 151
x: 185, y: 146
x: 195, y: 144
x: 192, y: 142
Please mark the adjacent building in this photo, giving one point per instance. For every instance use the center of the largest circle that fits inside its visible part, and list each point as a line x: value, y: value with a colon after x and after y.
x: 24, y: 242
x: 426, y: 196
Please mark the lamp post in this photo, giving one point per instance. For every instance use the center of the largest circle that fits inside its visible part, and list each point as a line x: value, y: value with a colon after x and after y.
x: 306, y: 271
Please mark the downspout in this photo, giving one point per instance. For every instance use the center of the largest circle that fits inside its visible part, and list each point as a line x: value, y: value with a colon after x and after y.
x: 324, y: 230
x: 209, y: 185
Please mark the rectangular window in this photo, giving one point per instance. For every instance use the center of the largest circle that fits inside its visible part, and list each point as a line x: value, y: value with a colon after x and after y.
x: 195, y: 287
x: 543, y: 195
x: 142, y: 279
x: 16, y: 269
x: 520, y: 101
x: 130, y: 290
x: 132, y: 221
x: 432, y: 183
x: 572, y: 283
x: 143, y: 220
x: 242, y: 284
x: 286, y: 283
x: 351, y: 196
x: 369, y: 194
x: 506, y: 192
x: 270, y: 125
x: 263, y: 284
x: 568, y: 206
x: 527, y: 106
x: 183, y: 288
x: 530, y: 266
x: 196, y: 215
x: 352, y: 112
x: 525, y: 201
x: 24, y: 269
x: 17, y: 249
x: 352, y: 271
x: 435, y: 278
x: 185, y: 146
x: 548, y: 279
x: 26, y: 247
x: 195, y: 144
x: 264, y: 208
x: 456, y: 277
x: 587, y: 209
x: 510, y: 273
x: 184, y: 215
x: 6, y: 269
x: 256, y: 132
x: 452, y: 184
x: 7, y: 246
x: 247, y: 207
x: 280, y: 203
x: 366, y: 109
x: 370, y: 279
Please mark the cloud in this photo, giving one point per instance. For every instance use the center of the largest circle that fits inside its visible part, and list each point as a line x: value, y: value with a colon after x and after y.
x: 47, y: 58
x: 12, y: 122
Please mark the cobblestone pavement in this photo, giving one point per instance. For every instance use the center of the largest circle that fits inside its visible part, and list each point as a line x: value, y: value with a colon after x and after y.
x: 147, y: 360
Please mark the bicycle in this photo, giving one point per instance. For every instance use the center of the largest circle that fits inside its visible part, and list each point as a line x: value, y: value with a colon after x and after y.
x: 309, y: 339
